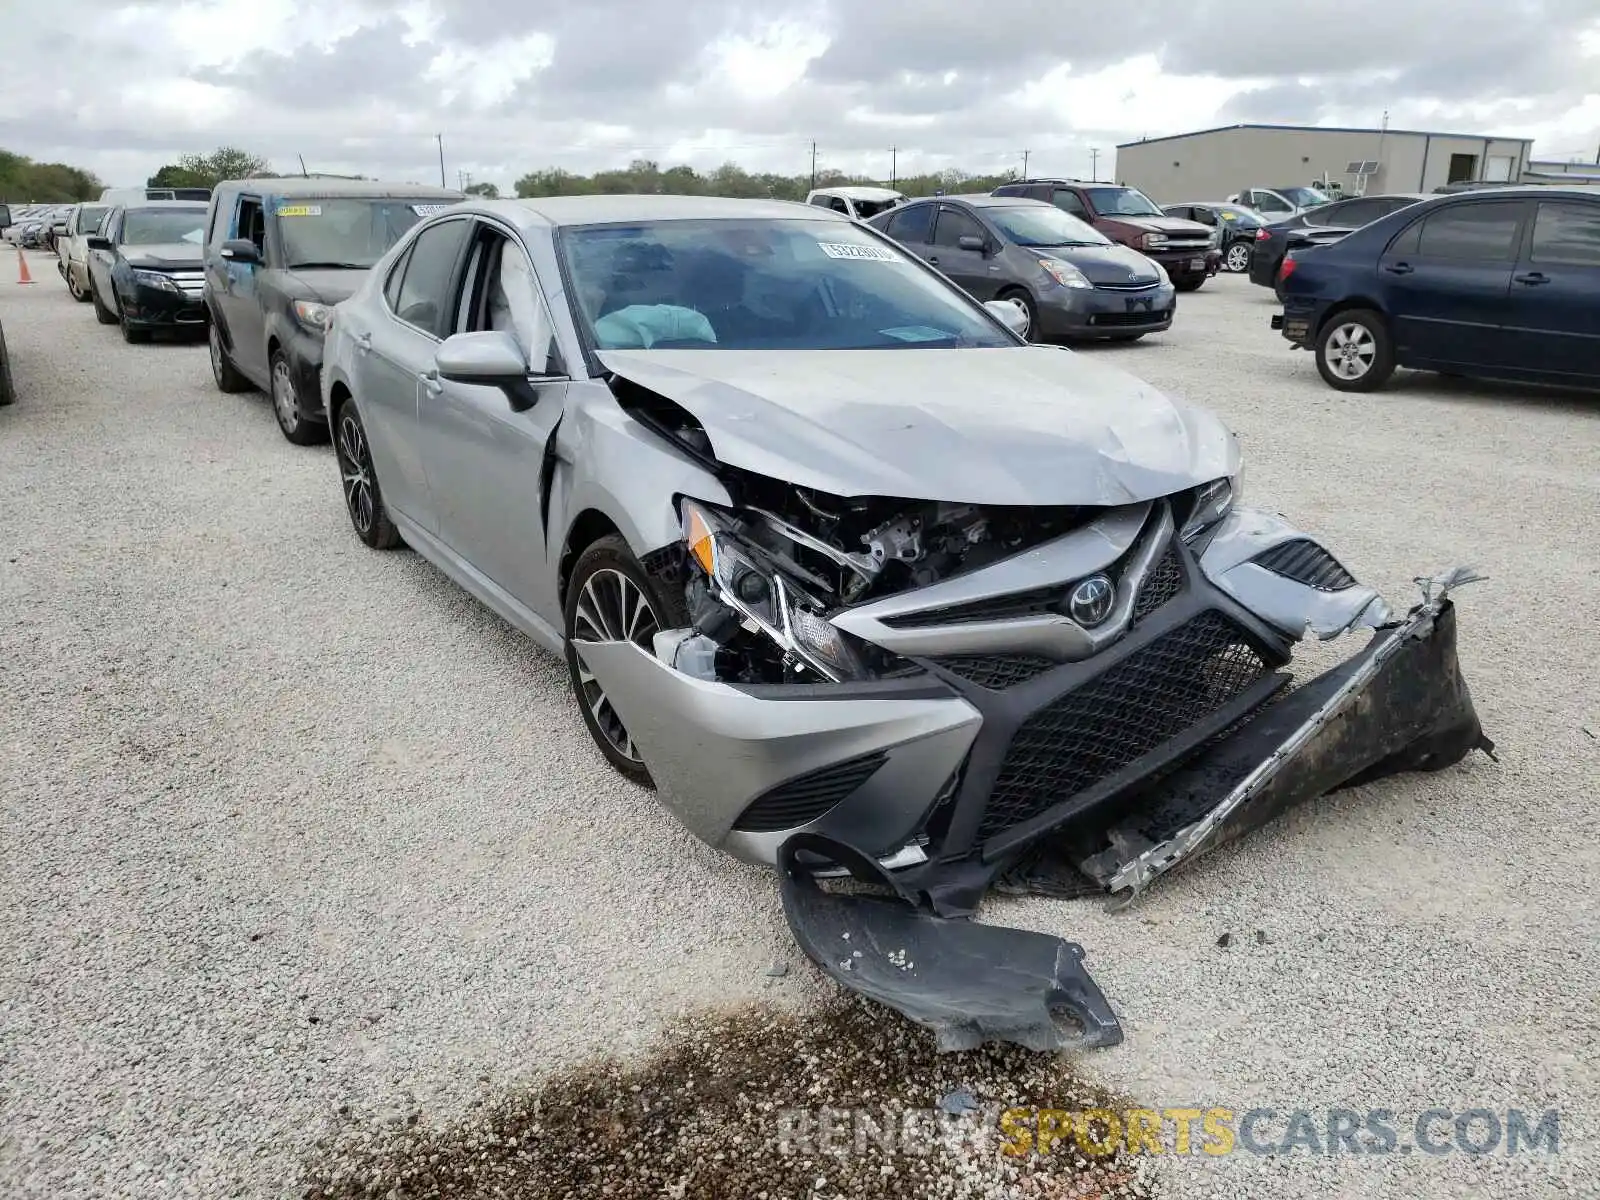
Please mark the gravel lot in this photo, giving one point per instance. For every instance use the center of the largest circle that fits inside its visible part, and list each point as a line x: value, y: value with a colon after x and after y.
x: 290, y: 825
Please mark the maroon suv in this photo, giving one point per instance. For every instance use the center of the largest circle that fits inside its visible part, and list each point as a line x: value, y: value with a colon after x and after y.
x: 1127, y: 215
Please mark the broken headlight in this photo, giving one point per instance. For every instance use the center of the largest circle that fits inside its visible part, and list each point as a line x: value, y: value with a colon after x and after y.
x: 1209, y: 504
x: 768, y: 599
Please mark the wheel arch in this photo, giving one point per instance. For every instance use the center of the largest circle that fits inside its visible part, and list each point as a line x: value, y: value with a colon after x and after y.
x: 587, y: 528
x: 1350, y: 304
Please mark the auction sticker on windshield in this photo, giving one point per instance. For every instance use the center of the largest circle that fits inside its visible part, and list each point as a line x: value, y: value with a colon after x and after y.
x: 301, y: 210
x: 844, y: 250
x: 427, y: 210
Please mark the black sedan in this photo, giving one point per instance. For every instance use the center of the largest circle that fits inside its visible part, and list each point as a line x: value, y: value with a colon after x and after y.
x: 145, y: 268
x: 1494, y: 283
x: 1319, y: 226
x: 1237, y: 223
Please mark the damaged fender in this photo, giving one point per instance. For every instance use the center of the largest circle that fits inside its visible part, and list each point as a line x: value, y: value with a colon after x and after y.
x: 968, y: 983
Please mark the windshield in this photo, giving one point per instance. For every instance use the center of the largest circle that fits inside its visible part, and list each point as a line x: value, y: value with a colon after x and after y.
x: 1044, y: 225
x: 164, y: 226
x: 1236, y: 214
x: 761, y: 284
x: 90, y: 216
x: 1304, y: 197
x: 1122, y: 202
x: 346, y: 232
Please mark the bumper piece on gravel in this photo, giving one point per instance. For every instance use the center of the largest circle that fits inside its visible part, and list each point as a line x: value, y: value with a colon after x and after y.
x: 968, y: 983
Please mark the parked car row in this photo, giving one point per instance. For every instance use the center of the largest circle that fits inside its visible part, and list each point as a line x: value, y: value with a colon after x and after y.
x: 32, y: 226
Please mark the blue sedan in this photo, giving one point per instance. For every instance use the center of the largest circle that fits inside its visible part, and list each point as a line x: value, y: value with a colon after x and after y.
x: 1501, y: 283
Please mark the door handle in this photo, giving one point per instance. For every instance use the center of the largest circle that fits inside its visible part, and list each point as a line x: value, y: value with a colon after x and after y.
x: 1399, y: 268
x: 363, y: 342
x: 933, y: 260
x: 1532, y: 278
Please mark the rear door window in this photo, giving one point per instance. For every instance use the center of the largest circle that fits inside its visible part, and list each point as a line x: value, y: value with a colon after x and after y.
x: 1567, y: 232
x: 425, y: 296
x: 1479, y: 232
x: 912, y: 225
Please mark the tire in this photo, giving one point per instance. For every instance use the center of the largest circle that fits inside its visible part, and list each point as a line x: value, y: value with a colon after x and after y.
x: 1189, y: 283
x: 1023, y: 298
x: 8, y: 393
x: 1237, y: 258
x: 363, y: 498
x: 598, y: 592
x: 285, y: 405
x: 131, y: 335
x: 223, y: 372
x: 79, y: 292
x: 1356, y: 340
x: 101, y: 313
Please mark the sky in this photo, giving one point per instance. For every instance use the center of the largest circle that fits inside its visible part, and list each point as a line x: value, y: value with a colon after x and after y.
x: 121, y: 88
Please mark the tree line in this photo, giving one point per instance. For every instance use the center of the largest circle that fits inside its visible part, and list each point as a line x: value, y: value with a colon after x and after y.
x: 22, y: 179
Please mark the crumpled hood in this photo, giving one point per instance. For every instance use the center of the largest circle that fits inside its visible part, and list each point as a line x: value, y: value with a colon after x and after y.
x: 1022, y: 425
x: 177, y: 255
x: 326, y: 286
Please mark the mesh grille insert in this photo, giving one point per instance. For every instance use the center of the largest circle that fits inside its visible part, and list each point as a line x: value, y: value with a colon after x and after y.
x: 1128, y: 711
x: 996, y: 671
x: 1306, y: 562
x: 1163, y: 583
x: 804, y: 799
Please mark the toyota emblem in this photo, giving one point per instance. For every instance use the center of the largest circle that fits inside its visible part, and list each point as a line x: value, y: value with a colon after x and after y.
x: 1091, y: 601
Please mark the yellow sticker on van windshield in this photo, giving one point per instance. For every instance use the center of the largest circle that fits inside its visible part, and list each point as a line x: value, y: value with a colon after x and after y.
x: 301, y: 210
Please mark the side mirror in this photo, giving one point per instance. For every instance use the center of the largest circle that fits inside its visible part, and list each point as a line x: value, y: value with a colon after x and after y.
x: 1011, y: 314
x: 59, y: 229
x: 491, y: 359
x: 98, y: 243
x: 240, y: 250
x: 969, y: 241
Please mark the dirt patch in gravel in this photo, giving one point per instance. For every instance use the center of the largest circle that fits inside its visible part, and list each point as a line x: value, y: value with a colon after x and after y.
x: 755, y: 1104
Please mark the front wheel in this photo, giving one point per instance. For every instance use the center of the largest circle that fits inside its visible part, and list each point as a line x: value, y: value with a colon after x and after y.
x: 1023, y: 298
x: 612, y: 599
x: 363, y: 499
x: 298, y: 428
x: 223, y: 372
x: 1354, y: 353
x: 101, y: 313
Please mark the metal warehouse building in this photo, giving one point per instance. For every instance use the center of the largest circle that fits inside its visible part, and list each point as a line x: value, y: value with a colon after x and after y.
x: 1212, y: 164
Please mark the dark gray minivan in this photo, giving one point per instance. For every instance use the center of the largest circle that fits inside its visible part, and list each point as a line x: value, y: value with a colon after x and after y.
x: 280, y: 253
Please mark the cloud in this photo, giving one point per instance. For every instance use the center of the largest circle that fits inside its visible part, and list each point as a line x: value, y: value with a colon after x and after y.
x: 354, y: 85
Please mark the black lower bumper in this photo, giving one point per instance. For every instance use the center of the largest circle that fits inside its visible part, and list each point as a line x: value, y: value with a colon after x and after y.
x: 305, y: 368
x: 157, y: 308
x: 1400, y: 704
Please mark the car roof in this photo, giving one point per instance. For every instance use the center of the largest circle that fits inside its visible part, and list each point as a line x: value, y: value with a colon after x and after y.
x: 852, y: 192
x: 985, y: 200
x: 601, y: 210
x: 142, y: 205
x: 329, y: 187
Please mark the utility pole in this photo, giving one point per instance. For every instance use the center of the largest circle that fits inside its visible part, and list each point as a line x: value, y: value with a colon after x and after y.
x: 439, y: 137
x: 894, y: 166
x: 464, y: 178
x: 1094, y: 164
x: 813, y: 165
x: 1025, y: 154
x: 304, y: 173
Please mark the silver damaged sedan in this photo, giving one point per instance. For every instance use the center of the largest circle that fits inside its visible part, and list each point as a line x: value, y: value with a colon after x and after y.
x: 859, y: 580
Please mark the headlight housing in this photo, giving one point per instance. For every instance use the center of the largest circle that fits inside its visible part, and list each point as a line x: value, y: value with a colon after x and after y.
x: 1211, y: 502
x: 771, y: 601
x: 1065, y: 273
x: 155, y: 279
x: 1152, y: 240
x: 312, y: 316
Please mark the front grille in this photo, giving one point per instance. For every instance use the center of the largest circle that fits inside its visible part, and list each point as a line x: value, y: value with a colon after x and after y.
x: 1128, y: 711
x: 802, y: 800
x: 1186, y: 244
x: 1306, y: 562
x: 1163, y: 583
x: 996, y: 671
x: 1150, y: 317
x: 1035, y: 602
x: 1127, y: 287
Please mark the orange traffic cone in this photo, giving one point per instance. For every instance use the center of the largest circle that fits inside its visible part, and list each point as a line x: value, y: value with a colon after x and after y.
x: 22, y: 267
